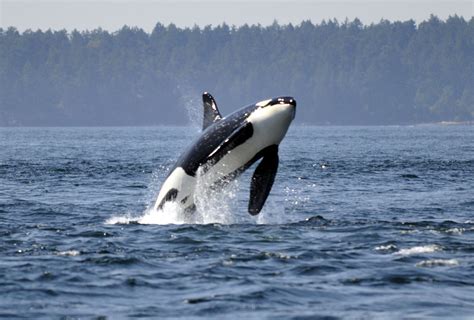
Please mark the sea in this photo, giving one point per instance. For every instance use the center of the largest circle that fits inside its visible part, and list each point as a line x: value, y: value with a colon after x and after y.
x: 362, y: 223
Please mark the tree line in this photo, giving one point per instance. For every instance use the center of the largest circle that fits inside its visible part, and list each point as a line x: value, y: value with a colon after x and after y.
x: 339, y: 72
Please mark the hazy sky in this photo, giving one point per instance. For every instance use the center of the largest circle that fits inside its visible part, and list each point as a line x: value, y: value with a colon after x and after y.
x: 113, y: 14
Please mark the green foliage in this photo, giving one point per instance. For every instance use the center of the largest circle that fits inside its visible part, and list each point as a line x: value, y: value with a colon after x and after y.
x: 340, y: 73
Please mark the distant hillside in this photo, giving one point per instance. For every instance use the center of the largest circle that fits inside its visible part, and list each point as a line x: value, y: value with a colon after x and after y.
x: 340, y: 73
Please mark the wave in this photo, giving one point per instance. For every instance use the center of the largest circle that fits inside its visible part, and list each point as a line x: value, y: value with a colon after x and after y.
x: 419, y: 250
x: 438, y: 263
x: 69, y: 253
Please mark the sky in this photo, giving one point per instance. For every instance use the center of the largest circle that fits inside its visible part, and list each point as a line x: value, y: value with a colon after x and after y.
x: 111, y: 15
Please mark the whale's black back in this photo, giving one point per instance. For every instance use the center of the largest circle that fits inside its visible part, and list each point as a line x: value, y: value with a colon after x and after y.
x: 212, y: 137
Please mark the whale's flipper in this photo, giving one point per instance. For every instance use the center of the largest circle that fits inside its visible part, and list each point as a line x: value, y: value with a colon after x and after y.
x: 211, y: 113
x: 262, y: 179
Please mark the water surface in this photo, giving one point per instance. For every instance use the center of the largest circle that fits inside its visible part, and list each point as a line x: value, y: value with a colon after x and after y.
x: 362, y: 222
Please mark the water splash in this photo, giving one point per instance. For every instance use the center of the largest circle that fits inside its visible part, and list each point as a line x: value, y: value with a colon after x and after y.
x: 225, y: 205
x: 213, y: 205
x: 193, y: 106
x: 169, y: 214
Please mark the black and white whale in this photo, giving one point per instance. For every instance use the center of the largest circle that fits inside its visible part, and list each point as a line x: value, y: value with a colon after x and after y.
x: 228, y: 146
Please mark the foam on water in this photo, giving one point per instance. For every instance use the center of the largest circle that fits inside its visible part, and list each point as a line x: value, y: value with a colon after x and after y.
x: 418, y: 250
x: 386, y: 247
x: 69, y: 253
x: 438, y: 263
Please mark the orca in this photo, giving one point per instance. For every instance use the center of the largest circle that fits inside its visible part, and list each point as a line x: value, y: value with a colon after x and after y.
x: 227, y: 147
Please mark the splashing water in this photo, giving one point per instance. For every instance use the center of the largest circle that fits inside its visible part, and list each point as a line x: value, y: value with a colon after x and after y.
x: 193, y: 106
x: 213, y: 205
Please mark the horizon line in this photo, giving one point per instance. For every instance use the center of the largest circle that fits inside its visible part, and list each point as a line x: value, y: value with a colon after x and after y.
x: 334, y: 20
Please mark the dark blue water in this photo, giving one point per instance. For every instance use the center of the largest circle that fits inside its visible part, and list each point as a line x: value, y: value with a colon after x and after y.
x: 362, y: 222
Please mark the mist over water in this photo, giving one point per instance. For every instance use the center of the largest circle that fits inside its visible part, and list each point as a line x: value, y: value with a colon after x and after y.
x: 362, y: 222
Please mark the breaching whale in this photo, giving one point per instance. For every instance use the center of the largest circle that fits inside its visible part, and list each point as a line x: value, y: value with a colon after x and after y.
x: 228, y: 146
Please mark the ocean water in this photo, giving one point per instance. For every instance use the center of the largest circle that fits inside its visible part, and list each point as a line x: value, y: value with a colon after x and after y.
x: 362, y: 222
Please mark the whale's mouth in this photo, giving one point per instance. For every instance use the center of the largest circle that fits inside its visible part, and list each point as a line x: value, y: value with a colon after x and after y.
x: 283, y: 100
x: 290, y: 101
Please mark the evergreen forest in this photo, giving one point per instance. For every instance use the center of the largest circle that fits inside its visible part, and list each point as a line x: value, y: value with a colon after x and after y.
x: 341, y: 73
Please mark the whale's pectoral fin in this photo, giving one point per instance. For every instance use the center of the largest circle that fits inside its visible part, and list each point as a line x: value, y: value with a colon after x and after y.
x: 262, y: 179
x: 211, y: 113
x: 238, y: 137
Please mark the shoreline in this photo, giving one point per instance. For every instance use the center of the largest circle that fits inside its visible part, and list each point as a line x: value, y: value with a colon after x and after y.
x: 440, y: 123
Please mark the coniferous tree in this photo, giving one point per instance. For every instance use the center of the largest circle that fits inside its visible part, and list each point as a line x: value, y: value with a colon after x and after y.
x: 340, y: 72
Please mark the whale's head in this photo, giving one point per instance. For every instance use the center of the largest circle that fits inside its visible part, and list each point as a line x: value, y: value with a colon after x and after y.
x: 280, y: 104
x: 271, y: 118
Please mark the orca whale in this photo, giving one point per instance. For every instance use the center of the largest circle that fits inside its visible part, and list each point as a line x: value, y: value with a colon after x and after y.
x: 227, y: 147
